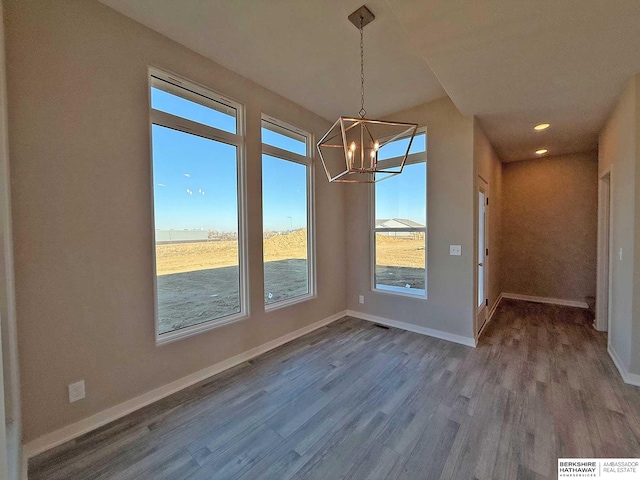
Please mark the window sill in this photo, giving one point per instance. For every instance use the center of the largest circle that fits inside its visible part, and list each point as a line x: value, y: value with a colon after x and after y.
x: 170, y: 337
x: 289, y: 302
x: 401, y: 291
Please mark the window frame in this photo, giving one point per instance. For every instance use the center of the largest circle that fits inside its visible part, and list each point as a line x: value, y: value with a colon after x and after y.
x: 307, y: 160
x: 412, y: 159
x: 189, y: 90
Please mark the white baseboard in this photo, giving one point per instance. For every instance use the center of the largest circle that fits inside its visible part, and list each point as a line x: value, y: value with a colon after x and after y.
x: 470, y: 342
x: 58, y: 437
x: 494, y: 308
x: 490, y: 316
x: 630, y: 378
x: 24, y: 465
x: 553, y: 301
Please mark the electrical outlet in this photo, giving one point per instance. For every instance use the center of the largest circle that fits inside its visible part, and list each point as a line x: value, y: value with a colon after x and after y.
x: 455, y: 250
x: 76, y: 391
x: 361, y: 299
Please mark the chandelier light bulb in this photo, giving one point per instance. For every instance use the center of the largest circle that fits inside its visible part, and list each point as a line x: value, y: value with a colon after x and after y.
x: 373, y: 154
x: 352, y: 147
x: 376, y: 145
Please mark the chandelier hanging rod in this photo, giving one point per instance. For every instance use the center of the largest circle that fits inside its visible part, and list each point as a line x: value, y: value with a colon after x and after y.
x: 360, y: 18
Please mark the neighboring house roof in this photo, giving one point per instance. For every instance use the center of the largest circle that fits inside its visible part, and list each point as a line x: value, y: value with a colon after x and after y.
x: 397, y: 223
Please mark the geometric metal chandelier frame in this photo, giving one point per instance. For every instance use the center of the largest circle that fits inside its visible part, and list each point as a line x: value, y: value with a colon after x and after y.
x: 359, y: 149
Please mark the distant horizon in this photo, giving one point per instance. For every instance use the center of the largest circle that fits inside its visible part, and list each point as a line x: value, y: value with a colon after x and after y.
x: 222, y: 231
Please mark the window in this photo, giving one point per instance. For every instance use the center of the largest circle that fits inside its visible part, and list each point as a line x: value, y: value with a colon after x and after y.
x: 287, y: 214
x: 400, y: 221
x: 198, y: 208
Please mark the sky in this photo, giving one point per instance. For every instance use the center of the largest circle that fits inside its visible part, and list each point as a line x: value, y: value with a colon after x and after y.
x: 194, y: 182
x: 404, y: 195
x: 195, y: 179
x: 397, y: 148
x: 181, y: 107
x: 284, y: 194
x: 284, y: 185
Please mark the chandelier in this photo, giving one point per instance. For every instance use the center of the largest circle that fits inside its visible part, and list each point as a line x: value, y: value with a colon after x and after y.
x: 353, y: 148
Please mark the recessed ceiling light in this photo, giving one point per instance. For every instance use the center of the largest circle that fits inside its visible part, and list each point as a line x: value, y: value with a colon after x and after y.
x: 542, y: 126
x: 542, y: 151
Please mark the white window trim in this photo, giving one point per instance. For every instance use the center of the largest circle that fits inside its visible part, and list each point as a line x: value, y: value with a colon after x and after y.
x: 238, y: 140
x: 307, y: 161
x: 414, y: 158
x: 401, y: 291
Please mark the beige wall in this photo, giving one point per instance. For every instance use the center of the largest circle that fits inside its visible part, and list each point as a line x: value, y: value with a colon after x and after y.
x: 635, y: 360
x: 618, y: 153
x: 549, y: 227
x: 11, y: 382
x: 449, y: 221
x: 488, y: 167
x: 79, y: 138
x: 6, y: 277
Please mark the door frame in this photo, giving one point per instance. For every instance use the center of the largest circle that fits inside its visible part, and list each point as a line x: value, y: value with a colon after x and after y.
x: 604, y: 260
x: 481, y: 310
x: 11, y: 449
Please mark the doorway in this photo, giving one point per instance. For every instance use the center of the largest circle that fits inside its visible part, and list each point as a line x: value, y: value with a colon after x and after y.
x: 604, y: 253
x: 482, y: 253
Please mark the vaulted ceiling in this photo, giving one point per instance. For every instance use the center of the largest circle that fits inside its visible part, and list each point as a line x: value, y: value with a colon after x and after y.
x: 512, y: 63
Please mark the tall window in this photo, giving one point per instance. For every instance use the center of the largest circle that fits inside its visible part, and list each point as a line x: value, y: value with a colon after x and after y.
x: 198, y: 207
x: 400, y: 221
x: 287, y: 213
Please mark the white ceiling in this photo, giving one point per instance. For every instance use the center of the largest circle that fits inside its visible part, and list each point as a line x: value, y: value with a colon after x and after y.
x: 516, y: 63
x: 307, y: 51
x: 513, y: 63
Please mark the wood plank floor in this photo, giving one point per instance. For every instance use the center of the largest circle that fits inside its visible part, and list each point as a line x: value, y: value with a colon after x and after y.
x: 356, y: 401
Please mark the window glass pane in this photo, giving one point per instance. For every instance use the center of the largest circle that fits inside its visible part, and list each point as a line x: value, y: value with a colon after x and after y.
x: 481, y: 247
x: 196, y: 228
x: 401, y: 200
x: 400, y: 262
x: 284, y: 206
x: 399, y: 147
x: 223, y: 119
x: 283, y: 138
